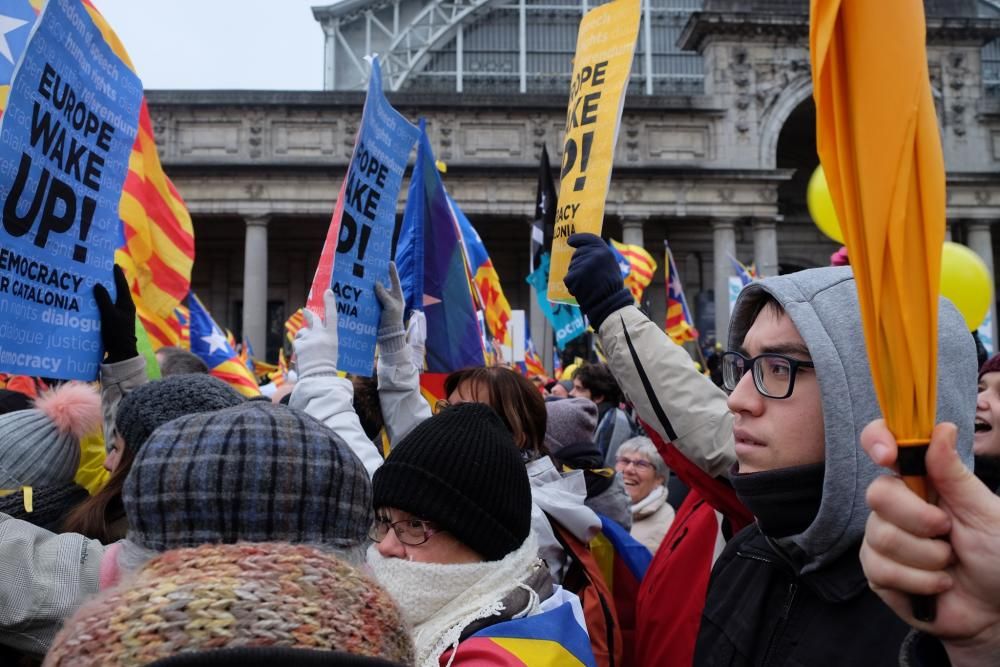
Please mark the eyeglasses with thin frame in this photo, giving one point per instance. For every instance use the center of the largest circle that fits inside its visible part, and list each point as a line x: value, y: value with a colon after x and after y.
x: 641, y: 464
x: 773, y: 374
x: 411, y: 532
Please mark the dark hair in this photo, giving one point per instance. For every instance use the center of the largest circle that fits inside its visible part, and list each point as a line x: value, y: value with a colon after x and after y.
x: 598, y: 380
x: 95, y: 517
x: 515, y: 398
x: 367, y: 405
x: 177, y: 361
x: 767, y: 301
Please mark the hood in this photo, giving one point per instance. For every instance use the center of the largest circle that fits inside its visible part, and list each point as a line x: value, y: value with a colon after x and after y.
x: 823, y: 305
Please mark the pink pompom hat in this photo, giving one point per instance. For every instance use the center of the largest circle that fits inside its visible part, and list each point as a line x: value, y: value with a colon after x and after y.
x: 41, y: 446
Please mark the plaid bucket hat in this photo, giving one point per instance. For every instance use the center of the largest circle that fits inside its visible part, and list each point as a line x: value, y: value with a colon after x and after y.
x: 255, y: 472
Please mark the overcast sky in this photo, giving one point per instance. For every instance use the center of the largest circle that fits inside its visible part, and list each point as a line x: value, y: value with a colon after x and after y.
x: 259, y: 44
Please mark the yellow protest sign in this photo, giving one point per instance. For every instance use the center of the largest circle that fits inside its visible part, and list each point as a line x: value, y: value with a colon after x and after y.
x: 604, y: 49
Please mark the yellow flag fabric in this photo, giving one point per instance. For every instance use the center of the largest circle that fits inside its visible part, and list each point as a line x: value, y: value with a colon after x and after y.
x: 91, y: 474
x: 878, y: 141
x: 601, y: 67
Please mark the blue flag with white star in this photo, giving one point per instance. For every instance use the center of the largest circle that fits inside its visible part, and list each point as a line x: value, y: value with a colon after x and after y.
x: 16, y: 20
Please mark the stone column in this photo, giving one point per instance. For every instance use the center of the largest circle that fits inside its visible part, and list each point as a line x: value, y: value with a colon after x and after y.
x: 765, y: 247
x: 980, y: 239
x: 632, y: 231
x: 724, y: 247
x: 255, y: 283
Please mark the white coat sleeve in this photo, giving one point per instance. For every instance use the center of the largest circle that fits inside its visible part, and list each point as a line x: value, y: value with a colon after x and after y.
x: 403, y: 406
x: 330, y: 399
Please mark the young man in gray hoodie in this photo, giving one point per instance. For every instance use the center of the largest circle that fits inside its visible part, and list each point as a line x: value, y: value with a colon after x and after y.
x: 788, y: 589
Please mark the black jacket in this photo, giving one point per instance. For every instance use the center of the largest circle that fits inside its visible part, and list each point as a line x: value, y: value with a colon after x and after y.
x: 759, y: 612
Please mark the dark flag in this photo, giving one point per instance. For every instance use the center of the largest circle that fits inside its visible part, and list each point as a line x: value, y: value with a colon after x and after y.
x: 545, y: 212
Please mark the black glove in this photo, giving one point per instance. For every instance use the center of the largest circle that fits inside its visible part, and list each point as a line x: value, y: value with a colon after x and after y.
x: 117, y: 320
x: 595, y: 280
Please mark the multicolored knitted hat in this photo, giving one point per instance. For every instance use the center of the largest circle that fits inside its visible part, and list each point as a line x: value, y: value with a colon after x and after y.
x: 41, y: 446
x: 255, y: 472
x: 240, y: 595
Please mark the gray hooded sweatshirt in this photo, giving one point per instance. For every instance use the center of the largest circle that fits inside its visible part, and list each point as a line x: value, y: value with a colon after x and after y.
x: 823, y: 305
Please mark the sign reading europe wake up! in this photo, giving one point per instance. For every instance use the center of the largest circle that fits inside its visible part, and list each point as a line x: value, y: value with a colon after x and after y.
x: 358, y: 244
x: 67, y: 132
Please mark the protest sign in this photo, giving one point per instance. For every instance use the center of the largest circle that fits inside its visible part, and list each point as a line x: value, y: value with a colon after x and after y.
x: 604, y: 48
x: 67, y: 132
x: 359, y: 243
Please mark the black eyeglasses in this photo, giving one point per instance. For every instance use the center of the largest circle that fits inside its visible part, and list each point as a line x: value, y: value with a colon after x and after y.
x: 773, y: 374
x: 411, y: 532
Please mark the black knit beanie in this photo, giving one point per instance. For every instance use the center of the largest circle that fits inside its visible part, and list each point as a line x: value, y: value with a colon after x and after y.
x: 146, y: 408
x: 461, y: 470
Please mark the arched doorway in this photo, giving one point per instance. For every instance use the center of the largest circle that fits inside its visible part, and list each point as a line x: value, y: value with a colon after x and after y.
x: 801, y: 245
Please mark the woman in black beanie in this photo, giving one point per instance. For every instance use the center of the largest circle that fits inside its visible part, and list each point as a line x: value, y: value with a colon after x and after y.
x: 453, y: 536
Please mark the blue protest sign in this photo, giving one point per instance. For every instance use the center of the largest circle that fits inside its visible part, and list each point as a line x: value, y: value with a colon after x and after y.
x: 67, y: 134
x: 566, y: 320
x: 362, y: 227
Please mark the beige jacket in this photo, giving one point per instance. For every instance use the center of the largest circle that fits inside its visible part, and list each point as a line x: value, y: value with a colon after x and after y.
x: 650, y: 522
x: 660, y: 380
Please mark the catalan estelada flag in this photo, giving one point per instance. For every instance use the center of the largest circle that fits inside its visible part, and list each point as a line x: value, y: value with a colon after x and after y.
x: 20, y: 16
x: 209, y: 343
x: 746, y: 274
x: 496, y: 310
x: 679, y: 326
x: 553, y: 638
x: 642, y: 266
x: 532, y: 364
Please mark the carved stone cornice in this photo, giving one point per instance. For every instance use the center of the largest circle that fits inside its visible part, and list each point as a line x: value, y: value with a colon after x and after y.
x: 747, y: 26
x: 742, y: 26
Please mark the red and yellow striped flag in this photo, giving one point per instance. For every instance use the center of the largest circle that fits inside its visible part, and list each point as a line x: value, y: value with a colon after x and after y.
x: 159, y: 238
x: 293, y: 324
x: 642, y: 266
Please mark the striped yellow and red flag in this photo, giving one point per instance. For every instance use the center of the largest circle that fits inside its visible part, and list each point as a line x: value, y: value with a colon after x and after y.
x: 159, y: 238
x: 293, y: 324
x: 280, y: 376
x: 642, y: 266
x: 679, y: 325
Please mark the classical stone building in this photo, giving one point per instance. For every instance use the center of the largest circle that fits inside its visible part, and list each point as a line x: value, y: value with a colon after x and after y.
x: 716, y: 144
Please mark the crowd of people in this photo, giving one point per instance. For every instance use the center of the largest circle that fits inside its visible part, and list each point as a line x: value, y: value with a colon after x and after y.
x: 347, y: 521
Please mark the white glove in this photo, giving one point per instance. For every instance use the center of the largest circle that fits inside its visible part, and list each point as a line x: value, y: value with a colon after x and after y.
x: 316, y: 343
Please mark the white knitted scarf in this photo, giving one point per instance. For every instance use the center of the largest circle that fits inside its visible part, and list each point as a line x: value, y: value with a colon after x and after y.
x: 651, y: 498
x: 439, y: 601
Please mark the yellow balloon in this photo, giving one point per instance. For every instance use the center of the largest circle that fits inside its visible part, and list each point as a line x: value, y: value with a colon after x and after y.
x: 821, y: 206
x: 966, y: 282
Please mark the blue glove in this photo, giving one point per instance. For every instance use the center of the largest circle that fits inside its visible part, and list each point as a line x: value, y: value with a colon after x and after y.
x: 595, y: 280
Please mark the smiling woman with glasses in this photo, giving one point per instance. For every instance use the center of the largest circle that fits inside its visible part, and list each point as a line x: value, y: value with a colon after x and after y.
x: 645, y: 476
